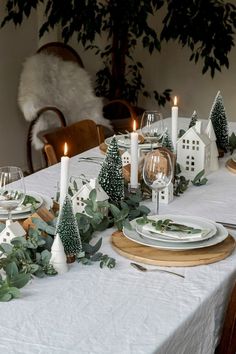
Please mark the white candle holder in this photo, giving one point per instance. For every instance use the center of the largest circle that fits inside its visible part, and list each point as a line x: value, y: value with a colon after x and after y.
x: 134, y: 190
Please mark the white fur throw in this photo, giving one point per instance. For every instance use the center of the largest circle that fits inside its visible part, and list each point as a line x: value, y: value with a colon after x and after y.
x: 47, y: 80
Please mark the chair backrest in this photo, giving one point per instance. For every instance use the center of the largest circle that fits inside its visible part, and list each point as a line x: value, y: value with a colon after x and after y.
x: 67, y: 53
x: 227, y: 344
x: 80, y: 136
x: 63, y: 51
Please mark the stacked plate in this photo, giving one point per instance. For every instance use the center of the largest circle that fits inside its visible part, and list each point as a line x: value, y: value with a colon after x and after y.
x: 124, y: 142
x: 24, y: 211
x: 209, y: 233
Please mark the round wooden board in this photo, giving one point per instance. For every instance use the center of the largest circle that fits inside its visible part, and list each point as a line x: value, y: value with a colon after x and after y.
x: 190, y: 258
x: 231, y: 165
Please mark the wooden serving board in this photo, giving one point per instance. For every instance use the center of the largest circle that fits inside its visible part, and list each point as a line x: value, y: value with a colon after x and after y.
x: 231, y: 165
x: 189, y: 258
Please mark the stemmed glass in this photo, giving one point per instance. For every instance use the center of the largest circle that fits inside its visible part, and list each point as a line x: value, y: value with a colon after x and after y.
x: 157, y: 171
x: 152, y: 126
x: 12, y: 189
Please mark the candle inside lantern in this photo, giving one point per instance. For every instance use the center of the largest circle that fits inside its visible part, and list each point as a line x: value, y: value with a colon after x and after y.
x: 134, y: 158
x: 174, y: 120
x: 64, y: 175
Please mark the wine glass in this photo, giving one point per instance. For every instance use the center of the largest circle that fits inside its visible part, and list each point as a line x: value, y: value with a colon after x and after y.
x: 157, y: 171
x: 152, y: 126
x: 12, y: 189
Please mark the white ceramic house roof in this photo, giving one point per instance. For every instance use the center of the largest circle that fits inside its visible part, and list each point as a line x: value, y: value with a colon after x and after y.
x: 193, y: 151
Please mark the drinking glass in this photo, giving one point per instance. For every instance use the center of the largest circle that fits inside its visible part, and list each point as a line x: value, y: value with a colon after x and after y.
x: 12, y: 189
x: 152, y: 126
x: 157, y: 171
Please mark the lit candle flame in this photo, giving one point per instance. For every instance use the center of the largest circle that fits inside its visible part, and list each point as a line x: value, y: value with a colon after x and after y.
x: 134, y: 126
x: 175, y: 101
x: 65, y: 149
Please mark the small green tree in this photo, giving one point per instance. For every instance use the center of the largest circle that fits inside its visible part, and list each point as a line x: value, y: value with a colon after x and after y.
x: 219, y: 122
x: 193, y: 120
x: 68, y: 230
x: 111, y: 175
x: 166, y: 141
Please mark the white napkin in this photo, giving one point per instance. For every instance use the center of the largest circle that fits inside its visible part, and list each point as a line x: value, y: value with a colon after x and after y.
x: 178, y: 234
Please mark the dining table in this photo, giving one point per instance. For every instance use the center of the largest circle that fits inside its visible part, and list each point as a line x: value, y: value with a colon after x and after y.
x: 90, y: 310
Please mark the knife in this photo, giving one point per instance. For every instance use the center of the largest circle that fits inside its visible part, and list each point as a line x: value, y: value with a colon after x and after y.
x: 228, y: 225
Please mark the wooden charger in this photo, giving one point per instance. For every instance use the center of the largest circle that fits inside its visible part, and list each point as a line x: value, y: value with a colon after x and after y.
x: 155, y: 256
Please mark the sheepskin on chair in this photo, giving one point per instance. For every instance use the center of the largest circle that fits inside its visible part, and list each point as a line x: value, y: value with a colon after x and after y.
x: 47, y: 80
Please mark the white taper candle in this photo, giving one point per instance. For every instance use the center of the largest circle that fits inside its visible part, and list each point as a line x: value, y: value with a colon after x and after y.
x: 174, y: 122
x: 134, y: 158
x: 64, y: 175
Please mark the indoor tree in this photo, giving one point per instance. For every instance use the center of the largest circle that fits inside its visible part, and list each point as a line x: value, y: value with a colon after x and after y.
x: 206, y: 27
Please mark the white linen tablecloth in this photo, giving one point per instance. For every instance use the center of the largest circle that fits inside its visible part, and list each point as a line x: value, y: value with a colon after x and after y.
x: 122, y: 311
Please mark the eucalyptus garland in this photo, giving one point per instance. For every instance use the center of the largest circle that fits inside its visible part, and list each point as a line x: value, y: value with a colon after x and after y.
x: 25, y: 258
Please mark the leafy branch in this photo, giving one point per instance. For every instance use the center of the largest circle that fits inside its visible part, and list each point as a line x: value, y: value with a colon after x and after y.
x: 199, y: 180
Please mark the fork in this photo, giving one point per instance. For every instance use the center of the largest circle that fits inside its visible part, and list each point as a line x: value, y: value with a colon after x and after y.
x: 144, y: 269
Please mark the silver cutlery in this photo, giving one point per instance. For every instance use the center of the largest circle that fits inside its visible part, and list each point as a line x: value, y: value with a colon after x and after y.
x: 228, y: 225
x: 144, y: 269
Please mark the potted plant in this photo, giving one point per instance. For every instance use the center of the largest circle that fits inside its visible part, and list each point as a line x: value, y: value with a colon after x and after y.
x: 206, y: 27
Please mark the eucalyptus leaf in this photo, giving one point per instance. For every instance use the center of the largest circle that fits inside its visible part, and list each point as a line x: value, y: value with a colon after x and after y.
x: 11, y: 269
x: 96, y: 257
x: 19, y: 280
x: 5, y: 295
x: 46, y: 255
x: 18, y: 241
x: 6, y: 248
x: 198, y: 180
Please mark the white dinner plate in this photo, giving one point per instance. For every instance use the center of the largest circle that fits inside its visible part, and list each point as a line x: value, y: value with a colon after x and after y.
x: 123, y: 141
x: 24, y: 208
x: 45, y: 201
x: 208, y: 229
x: 133, y: 235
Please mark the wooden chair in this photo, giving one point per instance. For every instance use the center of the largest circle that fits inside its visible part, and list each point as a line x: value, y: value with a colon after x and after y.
x: 227, y: 343
x: 80, y: 136
x: 66, y: 53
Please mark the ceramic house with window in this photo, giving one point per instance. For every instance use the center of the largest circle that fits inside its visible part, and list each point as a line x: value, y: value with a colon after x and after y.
x: 126, y: 158
x: 194, y: 152
x: 83, y: 194
x: 166, y: 195
x: 12, y: 229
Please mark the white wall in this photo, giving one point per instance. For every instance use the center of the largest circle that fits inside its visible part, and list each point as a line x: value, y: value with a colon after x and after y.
x: 15, y: 45
x: 172, y: 69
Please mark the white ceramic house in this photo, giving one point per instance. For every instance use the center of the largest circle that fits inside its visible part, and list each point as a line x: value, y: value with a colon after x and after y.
x: 165, y: 195
x: 194, y: 152
x: 12, y: 229
x: 83, y: 194
x: 126, y: 158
